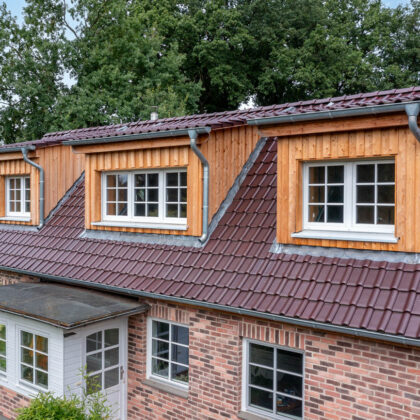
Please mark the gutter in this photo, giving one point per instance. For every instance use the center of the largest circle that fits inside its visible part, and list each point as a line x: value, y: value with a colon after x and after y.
x: 193, y: 133
x: 24, y: 151
x: 396, y: 339
x: 139, y: 136
x: 339, y: 113
x: 412, y: 111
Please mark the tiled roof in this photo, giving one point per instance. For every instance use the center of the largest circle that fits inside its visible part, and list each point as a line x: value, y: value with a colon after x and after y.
x: 238, y: 117
x: 235, y: 268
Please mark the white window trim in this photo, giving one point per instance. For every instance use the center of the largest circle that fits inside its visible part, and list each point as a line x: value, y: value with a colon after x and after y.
x: 160, y: 222
x: 31, y: 385
x: 23, y: 215
x: 349, y: 224
x: 4, y: 374
x: 149, y: 374
x: 245, y: 379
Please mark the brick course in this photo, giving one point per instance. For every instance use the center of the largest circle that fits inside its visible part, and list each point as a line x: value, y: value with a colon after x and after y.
x: 10, y: 401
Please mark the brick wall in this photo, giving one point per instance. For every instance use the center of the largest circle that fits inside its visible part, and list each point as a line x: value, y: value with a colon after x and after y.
x: 345, y: 377
x: 10, y: 401
x: 7, y: 278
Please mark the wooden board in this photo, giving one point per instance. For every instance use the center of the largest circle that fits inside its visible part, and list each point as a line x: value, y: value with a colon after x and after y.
x: 397, y: 142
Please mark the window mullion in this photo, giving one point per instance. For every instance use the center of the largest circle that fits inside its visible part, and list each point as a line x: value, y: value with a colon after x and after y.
x: 162, y: 193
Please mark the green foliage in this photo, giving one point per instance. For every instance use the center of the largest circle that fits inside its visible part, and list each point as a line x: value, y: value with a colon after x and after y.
x: 46, y: 406
x: 125, y: 56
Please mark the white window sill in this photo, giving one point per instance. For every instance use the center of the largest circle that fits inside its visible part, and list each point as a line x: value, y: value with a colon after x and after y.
x: 163, y: 225
x: 166, y: 387
x: 346, y: 236
x: 15, y: 219
x: 246, y: 415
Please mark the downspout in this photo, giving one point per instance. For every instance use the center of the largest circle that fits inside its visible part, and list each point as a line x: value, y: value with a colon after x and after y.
x: 412, y: 111
x: 193, y: 143
x: 24, y: 151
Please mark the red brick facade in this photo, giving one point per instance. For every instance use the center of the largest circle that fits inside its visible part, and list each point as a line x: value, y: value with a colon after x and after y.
x: 10, y: 401
x: 345, y: 377
x: 7, y: 278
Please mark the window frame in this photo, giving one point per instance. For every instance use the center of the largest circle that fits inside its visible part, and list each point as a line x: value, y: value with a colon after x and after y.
x: 149, y: 356
x: 246, y: 407
x: 130, y: 218
x: 21, y: 380
x: 22, y: 214
x: 349, y: 199
x: 3, y: 373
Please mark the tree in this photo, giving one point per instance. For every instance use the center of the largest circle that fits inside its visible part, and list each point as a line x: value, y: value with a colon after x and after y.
x: 125, y: 56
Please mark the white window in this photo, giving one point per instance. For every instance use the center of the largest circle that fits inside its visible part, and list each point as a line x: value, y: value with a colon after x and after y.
x: 350, y: 196
x: 168, y: 353
x: 18, y: 196
x: 102, y: 360
x: 273, y: 381
x: 34, y: 359
x: 3, y: 362
x: 157, y: 196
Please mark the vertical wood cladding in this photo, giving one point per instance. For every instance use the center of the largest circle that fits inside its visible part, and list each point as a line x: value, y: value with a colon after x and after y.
x: 396, y: 142
x: 226, y: 150
x: 62, y: 167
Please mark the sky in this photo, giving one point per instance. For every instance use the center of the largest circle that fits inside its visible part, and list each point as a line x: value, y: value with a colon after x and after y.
x: 16, y: 6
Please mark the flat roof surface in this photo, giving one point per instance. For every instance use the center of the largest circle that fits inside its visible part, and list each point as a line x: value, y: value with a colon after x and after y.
x: 64, y: 306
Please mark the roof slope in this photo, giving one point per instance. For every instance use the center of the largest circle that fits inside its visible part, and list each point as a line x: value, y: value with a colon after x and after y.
x: 235, y: 267
x: 229, y: 118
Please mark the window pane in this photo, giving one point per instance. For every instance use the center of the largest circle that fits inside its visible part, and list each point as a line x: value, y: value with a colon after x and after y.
x: 180, y: 334
x: 140, y: 195
x: 41, y: 379
x: 183, y: 195
x: 111, y: 357
x: 139, y: 210
x: 111, y: 181
x: 2, y: 348
x: 12, y: 195
x: 316, y: 213
x: 112, y: 378
x: 172, y: 210
x: 17, y: 184
x: 183, y: 210
x: 27, y: 373
x: 289, y: 384
x: 161, y: 330
x: 140, y: 180
x: 26, y: 339
x: 180, y: 354
x: 42, y: 344
x: 94, y: 384
x: 335, y: 214
x: 365, y: 214
x: 172, y: 179
x: 27, y: 183
x: 3, y: 332
x: 365, y: 173
x: 94, y: 362
x: 27, y: 195
x: 12, y: 183
x: 183, y: 179
x: 335, y: 174
x: 290, y: 361
x: 386, y: 172
x: 160, y: 367
x: 386, y: 215
x: 160, y: 349
x: 41, y: 361
x: 317, y: 175
x: 27, y: 207
x: 18, y: 206
x: 153, y: 194
x: 260, y: 398
x: 111, y: 195
x: 335, y: 194
x: 3, y: 364
x: 122, y: 181
x: 111, y: 209
x: 122, y: 209
x: 316, y: 194
x: 94, y: 342
x: 386, y: 194
x: 365, y: 193
x: 27, y: 356
x: 289, y: 406
x: 179, y: 373
x: 172, y: 194
x: 153, y: 180
x: 152, y: 210
x: 261, y: 355
x: 261, y: 377
x: 111, y: 337
x: 122, y: 195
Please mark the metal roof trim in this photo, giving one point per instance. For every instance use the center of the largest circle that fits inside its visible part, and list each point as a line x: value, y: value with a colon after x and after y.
x: 16, y: 148
x: 139, y: 136
x: 415, y: 342
x: 337, y: 113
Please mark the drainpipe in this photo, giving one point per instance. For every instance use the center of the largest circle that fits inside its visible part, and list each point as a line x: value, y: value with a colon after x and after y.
x: 24, y: 151
x: 193, y: 143
x: 412, y: 110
